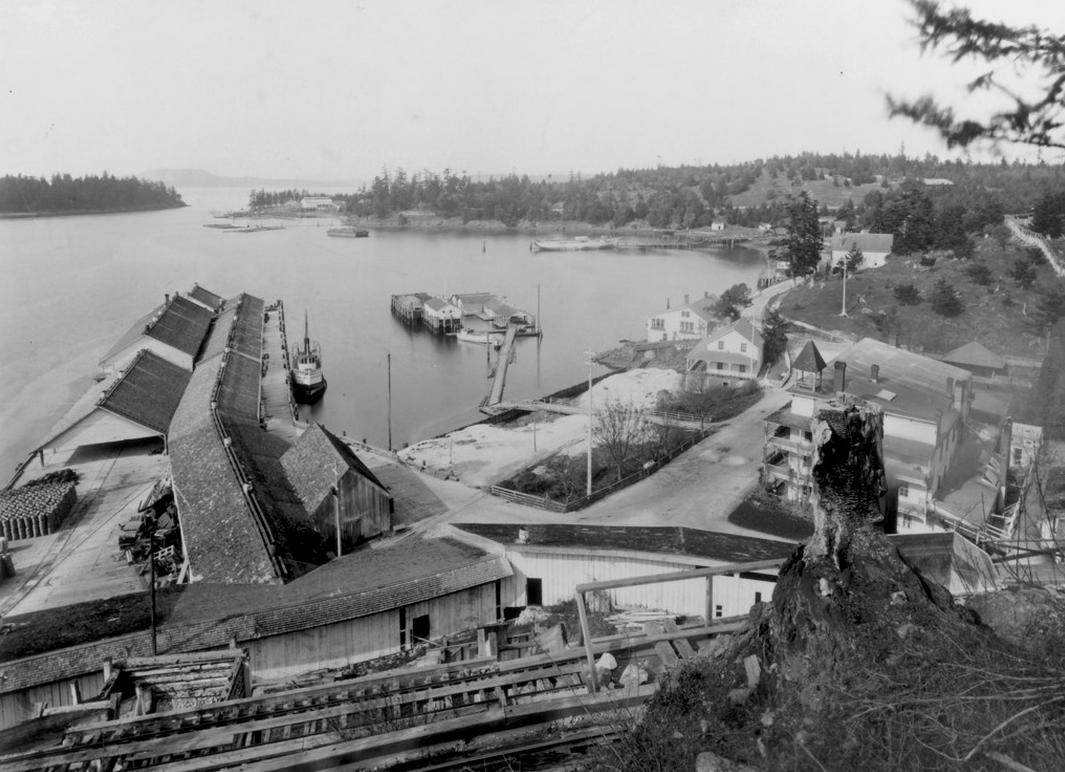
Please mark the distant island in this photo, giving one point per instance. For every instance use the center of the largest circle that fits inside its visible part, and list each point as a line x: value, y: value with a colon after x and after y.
x: 198, y: 178
x: 35, y: 196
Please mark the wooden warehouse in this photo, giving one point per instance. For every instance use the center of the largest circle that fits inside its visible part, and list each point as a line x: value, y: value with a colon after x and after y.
x: 550, y: 560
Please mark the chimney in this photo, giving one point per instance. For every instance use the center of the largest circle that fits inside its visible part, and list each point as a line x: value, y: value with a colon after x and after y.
x: 667, y: 304
x: 1005, y: 440
x: 166, y: 297
x: 841, y: 376
x: 685, y: 298
x: 959, y: 397
x: 874, y: 373
x: 706, y: 294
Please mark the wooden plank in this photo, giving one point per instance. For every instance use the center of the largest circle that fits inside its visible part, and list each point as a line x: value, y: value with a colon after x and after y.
x: 666, y: 654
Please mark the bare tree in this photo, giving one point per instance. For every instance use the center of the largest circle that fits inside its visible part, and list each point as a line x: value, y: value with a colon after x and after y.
x: 619, y: 429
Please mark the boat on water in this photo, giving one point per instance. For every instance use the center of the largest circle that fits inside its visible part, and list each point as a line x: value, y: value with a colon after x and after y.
x: 348, y: 232
x: 253, y: 228
x: 307, y: 381
x: 483, y: 337
x: 576, y: 244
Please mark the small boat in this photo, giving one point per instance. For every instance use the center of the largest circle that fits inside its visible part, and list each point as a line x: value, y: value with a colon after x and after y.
x: 576, y: 244
x: 348, y: 232
x: 308, y: 382
x: 471, y: 335
x: 253, y: 228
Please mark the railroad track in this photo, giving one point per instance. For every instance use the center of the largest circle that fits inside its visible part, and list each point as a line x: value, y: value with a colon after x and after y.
x: 393, y: 716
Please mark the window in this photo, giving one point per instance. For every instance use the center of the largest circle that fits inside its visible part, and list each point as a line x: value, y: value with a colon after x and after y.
x: 721, y: 345
x: 904, y: 490
x: 534, y: 592
x: 743, y: 348
x: 720, y: 365
x: 658, y: 324
x: 743, y: 368
x: 1018, y: 455
x: 719, y: 611
x: 685, y: 314
x: 758, y: 597
x: 687, y: 327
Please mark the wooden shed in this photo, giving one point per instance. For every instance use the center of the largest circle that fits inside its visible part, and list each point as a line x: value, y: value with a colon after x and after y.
x: 336, y: 487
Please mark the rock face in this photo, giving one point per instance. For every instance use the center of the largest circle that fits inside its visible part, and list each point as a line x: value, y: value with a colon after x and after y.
x: 863, y: 663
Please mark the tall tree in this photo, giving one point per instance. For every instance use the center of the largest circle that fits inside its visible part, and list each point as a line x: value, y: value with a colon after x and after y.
x: 945, y: 300
x: 733, y: 301
x: 804, y: 240
x: 619, y: 429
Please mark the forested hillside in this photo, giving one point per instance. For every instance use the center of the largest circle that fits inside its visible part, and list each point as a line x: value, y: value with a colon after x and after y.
x: 864, y: 189
x: 92, y: 193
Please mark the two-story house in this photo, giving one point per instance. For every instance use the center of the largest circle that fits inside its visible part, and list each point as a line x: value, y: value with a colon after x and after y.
x: 691, y: 321
x: 925, y: 403
x: 731, y: 352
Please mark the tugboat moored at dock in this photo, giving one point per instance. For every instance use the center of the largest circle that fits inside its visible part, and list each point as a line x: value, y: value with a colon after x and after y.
x: 308, y: 382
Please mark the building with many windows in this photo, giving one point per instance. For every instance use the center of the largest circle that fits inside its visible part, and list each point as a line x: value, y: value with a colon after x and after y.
x: 691, y: 321
x: 926, y: 404
x: 732, y: 352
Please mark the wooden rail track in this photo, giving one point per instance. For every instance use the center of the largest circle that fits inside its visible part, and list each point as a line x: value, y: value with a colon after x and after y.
x: 394, y: 715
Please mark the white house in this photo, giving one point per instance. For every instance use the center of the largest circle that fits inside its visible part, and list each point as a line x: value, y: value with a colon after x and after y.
x: 312, y: 203
x: 734, y: 351
x: 441, y: 316
x: 875, y: 248
x: 691, y: 321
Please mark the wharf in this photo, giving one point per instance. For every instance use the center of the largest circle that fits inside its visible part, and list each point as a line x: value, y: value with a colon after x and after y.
x: 499, y: 374
x: 278, y: 408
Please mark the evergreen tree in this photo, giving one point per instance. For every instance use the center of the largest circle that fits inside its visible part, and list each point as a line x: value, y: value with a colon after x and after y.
x: 945, y: 300
x: 804, y: 240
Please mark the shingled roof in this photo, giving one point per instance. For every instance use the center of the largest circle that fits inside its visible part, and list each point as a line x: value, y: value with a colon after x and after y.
x: 809, y: 359
x: 687, y: 542
x: 317, y: 461
x: 148, y: 392
x: 867, y: 242
x: 974, y: 355
x: 179, y: 323
x: 206, y: 297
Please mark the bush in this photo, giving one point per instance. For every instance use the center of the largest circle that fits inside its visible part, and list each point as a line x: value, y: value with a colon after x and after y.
x: 907, y: 294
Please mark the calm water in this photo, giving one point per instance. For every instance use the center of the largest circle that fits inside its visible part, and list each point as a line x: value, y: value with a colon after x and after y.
x: 72, y: 285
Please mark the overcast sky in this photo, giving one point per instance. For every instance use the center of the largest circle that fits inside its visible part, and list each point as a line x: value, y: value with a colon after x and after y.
x: 338, y: 90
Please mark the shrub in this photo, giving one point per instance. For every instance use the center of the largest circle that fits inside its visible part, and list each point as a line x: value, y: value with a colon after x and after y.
x: 945, y: 300
x: 907, y: 294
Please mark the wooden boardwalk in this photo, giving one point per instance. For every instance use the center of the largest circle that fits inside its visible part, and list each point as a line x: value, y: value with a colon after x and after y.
x: 654, y: 416
x: 278, y: 409
x: 499, y: 376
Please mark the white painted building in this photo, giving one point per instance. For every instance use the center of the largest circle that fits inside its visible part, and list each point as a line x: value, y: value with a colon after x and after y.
x: 550, y: 560
x: 732, y: 352
x: 875, y: 248
x: 691, y: 321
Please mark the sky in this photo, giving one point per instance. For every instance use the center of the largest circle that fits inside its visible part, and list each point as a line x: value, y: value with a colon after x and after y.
x: 333, y: 90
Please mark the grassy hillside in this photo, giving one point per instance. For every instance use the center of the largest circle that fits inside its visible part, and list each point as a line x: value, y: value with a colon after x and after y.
x: 766, y: 188
x: 995, y: 315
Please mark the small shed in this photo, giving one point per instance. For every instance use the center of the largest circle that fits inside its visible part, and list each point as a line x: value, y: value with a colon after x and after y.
x: 335, y: 486
x: 977, y: 359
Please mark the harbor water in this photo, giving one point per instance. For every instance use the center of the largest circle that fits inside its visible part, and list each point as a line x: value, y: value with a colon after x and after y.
x: 73, y: 285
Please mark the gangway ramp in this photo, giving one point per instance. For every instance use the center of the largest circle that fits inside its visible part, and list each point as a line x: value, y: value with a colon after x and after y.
x: 499, y: 377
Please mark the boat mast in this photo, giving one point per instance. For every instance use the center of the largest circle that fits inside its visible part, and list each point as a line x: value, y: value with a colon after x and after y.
x: 306, y: 334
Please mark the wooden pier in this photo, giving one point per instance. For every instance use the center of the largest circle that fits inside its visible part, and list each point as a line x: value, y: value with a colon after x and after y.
x: 409, y: 307
x: 499, y: 374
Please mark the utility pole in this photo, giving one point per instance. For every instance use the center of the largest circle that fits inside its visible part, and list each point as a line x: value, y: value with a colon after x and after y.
x: 843, y: 308
x: 590, y: 362
x: 151, y: 562
x: 389, y: 401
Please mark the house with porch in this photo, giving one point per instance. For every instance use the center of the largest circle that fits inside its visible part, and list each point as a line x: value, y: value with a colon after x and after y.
x: 730, y: 353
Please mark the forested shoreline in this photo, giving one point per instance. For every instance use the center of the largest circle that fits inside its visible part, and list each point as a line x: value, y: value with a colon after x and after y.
x: 91, y: 194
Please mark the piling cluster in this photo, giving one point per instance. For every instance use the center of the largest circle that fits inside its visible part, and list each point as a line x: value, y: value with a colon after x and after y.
x: 35, y: 510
